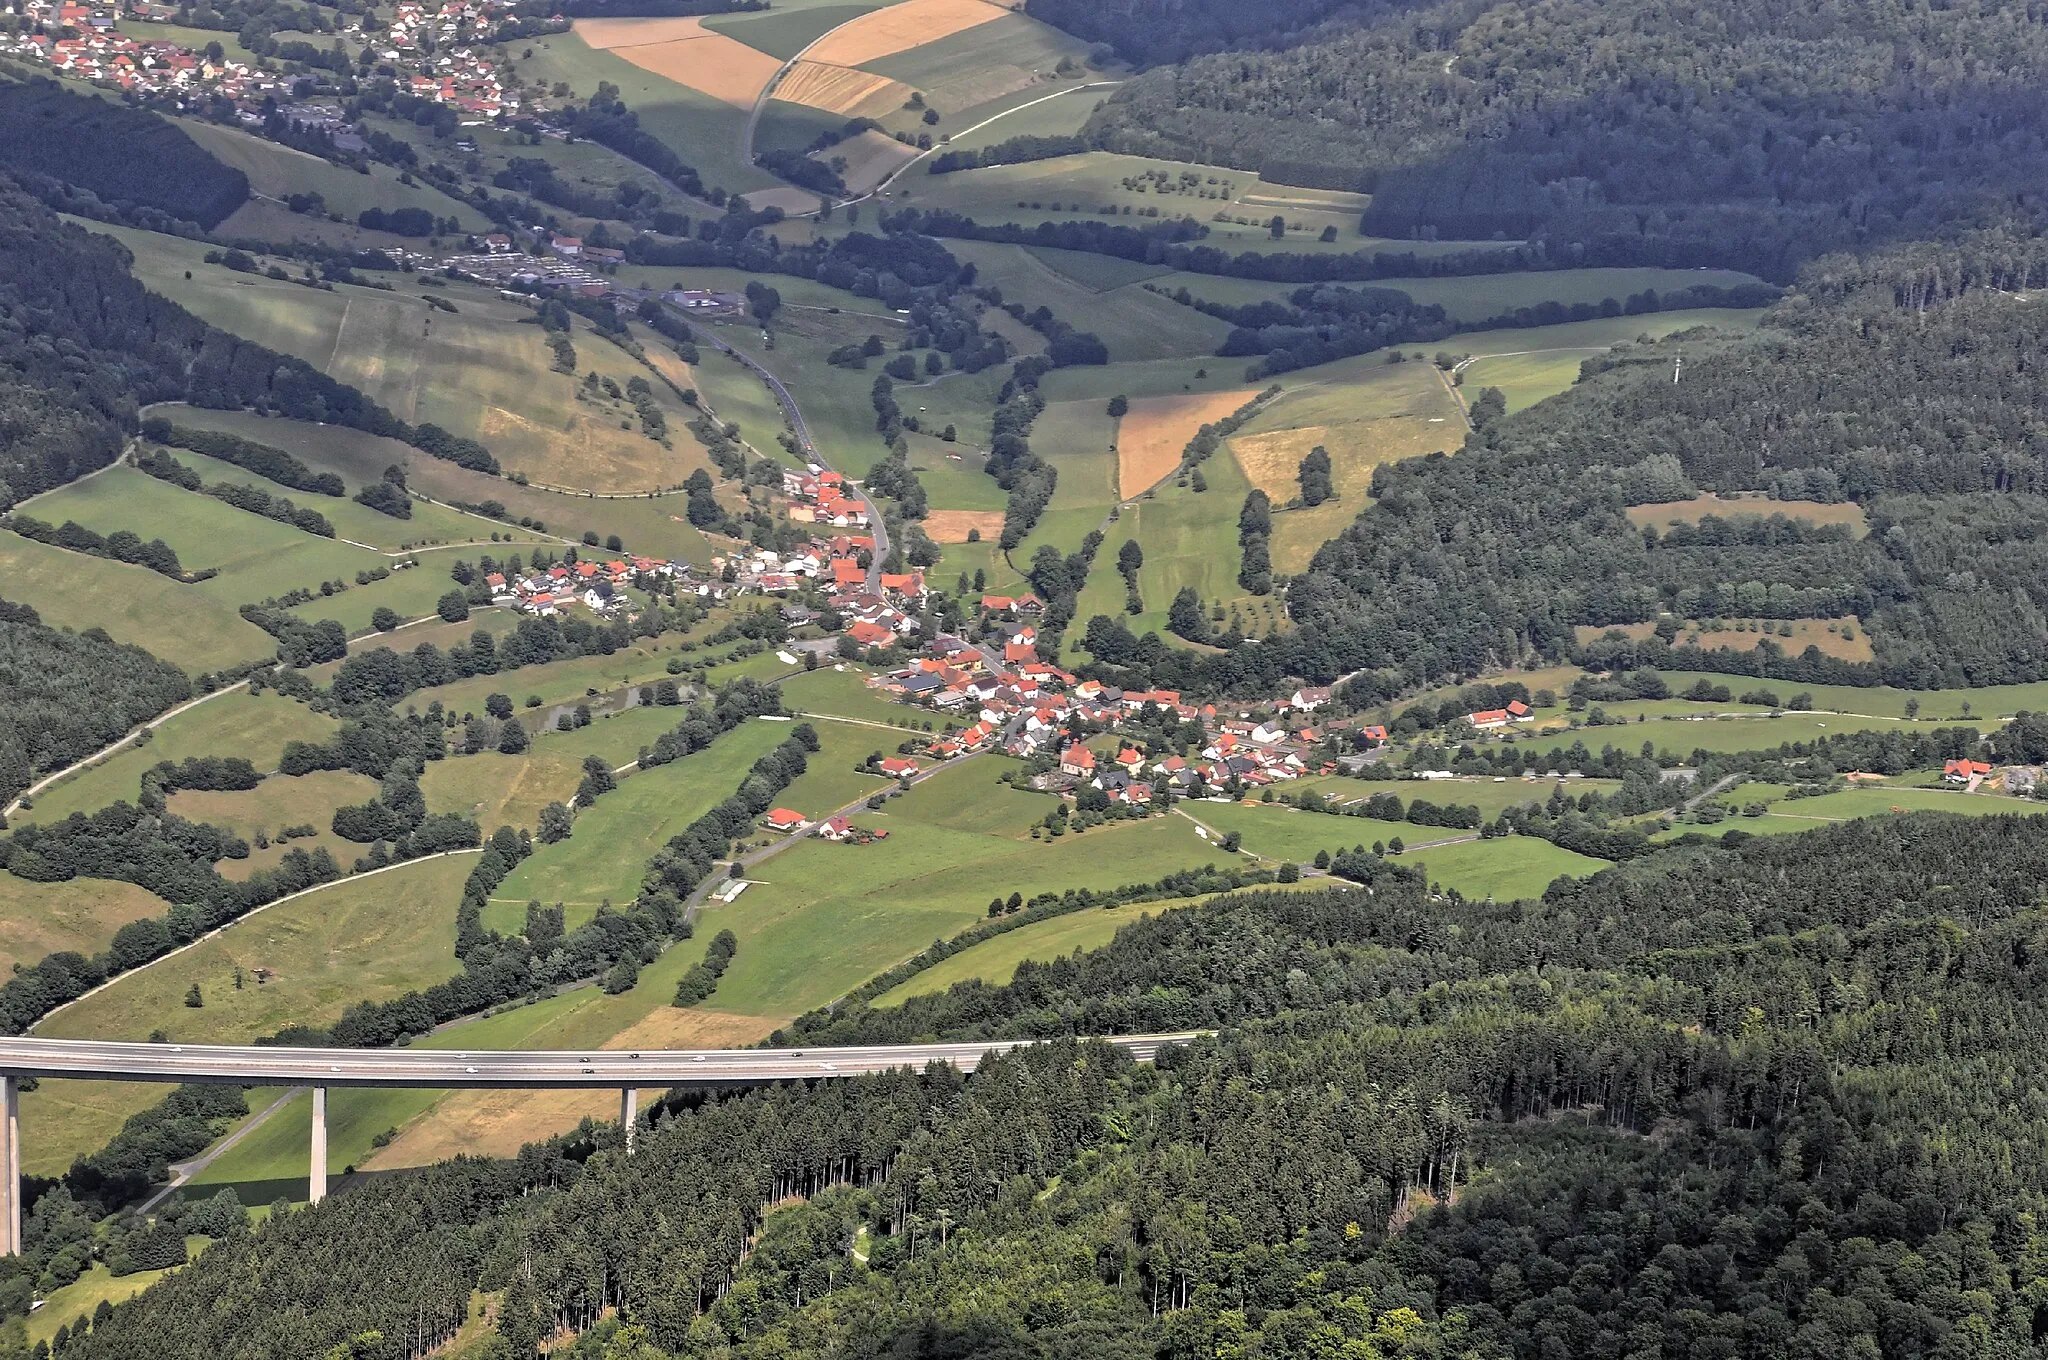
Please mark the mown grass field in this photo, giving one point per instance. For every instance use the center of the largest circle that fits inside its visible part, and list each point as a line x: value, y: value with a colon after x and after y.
x: 1066, y: 188
x: 978, y: 72
x: 653, y: 525
x: 568, y: 681
x: 822, y: 917
x: 255, y: 557
x: 1276, y: 832
x: 498, y: 790
x: 1788, y: 816
x: 844, y: 693
x: 361, y: 939
x: 1681, y: 736
x: 179, y: 623
x: 235, y: 724
x: 995, y: 961
x: 1037, y: 116
x: 479, y: 372
x: 606, y: 857
x: 829, y: 781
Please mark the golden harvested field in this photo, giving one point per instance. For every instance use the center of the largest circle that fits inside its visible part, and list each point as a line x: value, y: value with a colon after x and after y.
x: 1727, y: 507
x: 842, y: 90
x: 871, y: 158
x: 1152, y: 436
x: 899, y: 28
x: 684, y: 51
x: 951, y: 526
x: 1825, y: 634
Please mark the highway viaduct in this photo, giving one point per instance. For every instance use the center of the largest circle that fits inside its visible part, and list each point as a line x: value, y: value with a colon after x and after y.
x: 439, y: 1069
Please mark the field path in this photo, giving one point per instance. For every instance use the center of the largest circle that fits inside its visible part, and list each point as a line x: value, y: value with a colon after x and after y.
x: 183, y: 1172
x: 114, y: 746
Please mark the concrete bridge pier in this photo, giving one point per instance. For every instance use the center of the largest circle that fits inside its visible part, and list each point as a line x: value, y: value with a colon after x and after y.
x: 629, y: 1114
x: 316, y: 1187
x: 10, y: 1164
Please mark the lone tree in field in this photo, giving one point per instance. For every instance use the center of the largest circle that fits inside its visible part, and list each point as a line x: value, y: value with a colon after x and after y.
x: 1119, y: 406
x: 193, y: 998
x: 1490, y: 405
x: 1129, y: 558
x: 1184, y: 616
x: 1315, y: 477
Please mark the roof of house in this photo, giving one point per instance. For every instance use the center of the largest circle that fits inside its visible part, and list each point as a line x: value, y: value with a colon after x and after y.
x: 785, y: 817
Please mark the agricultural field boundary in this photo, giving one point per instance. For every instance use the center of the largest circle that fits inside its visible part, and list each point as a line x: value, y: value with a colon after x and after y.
x: 247, y: 915
x: 112, y: 748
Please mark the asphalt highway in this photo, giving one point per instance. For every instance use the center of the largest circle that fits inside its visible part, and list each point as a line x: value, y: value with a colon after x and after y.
x: 450, y: 1069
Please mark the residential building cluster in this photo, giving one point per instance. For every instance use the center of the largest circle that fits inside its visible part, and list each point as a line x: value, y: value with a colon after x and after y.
x: 1017, y: 703
x: 597, y: 586
x: 820, y: 496
x: 429, y: 45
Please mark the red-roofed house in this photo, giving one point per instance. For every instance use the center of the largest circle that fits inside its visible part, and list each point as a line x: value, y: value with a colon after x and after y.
x: 1486, y: 719
x: 784, y: 819
x: 896, y: 766
x: 847, y: 572
x: 870, y: 634
x: 836, y: 829
x: 1078, y: 761
x: 1019, y: 651
x: 1963, y: 771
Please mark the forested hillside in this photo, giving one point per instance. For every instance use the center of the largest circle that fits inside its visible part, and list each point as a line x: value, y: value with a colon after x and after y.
x: 1724, y: 1101
x: 65, y: 695
x: 83, y: 345
x: 1906, y: 383
x: 1753, y: 135
x: 122, y: 155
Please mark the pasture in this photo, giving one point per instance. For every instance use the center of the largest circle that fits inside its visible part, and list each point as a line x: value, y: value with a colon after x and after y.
x: 256, y: 557
x: 485, y: 372
x: 178, y: 623
x: 995, y: 961
x: 648, y: 524
x: 82, y: 914
x: 234, y: 724
x: 1132, y: 323
x: 1788, y: 816
x: 830, y: 781
x: 1718, y: 728
x: 278, y: 802
x: 1530, y: 364
x: 1473, y: 298
x: 606, y: 857
x: 278, y: 172
x: 820, y: 918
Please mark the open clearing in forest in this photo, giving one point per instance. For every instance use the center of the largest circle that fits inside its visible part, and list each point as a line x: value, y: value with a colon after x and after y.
x: 995, y: 961
x: 1665, y: 513
x: 1155, y: 432
x: 1826, y: 634
x: 1376, y: 415
x: 885, y: 32
x: 684, y: 51
x: 276, y: 803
